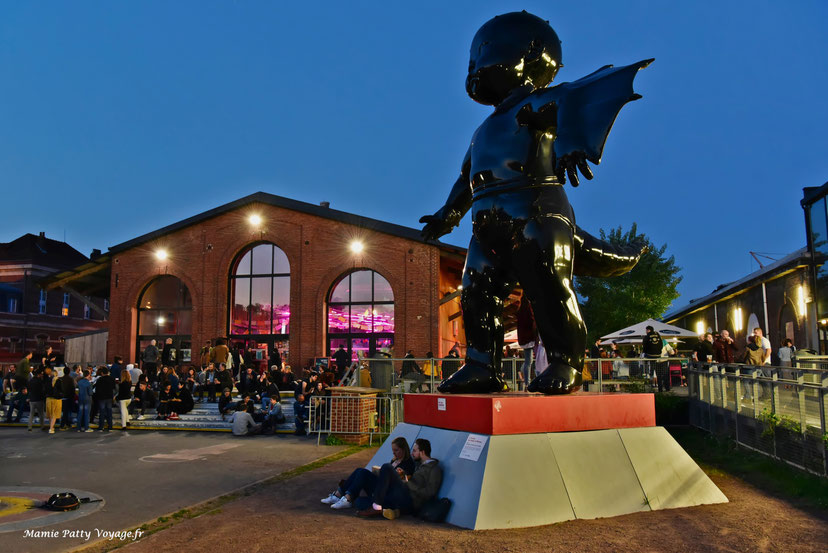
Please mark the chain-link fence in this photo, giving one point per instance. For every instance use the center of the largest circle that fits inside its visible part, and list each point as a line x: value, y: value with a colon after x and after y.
x: 778, y: 411
x: 353, y: 417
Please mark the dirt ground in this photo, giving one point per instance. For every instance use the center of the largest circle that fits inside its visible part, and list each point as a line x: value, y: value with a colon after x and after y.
x: 289, y: 517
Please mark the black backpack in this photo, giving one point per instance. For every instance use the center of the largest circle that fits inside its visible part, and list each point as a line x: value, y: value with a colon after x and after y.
x: 435, y: 510
x: 63, y: 502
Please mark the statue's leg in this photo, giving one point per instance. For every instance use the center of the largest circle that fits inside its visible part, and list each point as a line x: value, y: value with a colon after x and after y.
x: 543, y: 263
x: 485, y: 285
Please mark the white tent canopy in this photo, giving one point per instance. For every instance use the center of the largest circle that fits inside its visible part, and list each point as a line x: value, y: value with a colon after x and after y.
x: 639, y: 330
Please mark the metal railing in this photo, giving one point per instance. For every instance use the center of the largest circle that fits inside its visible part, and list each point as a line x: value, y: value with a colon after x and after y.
x: 423, y: 375
x: 354, y: 415
x: 777, y: 411
x: 634, y: 374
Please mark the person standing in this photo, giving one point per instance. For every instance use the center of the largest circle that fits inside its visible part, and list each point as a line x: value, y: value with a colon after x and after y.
x: 204, y: 354
x: 22, y: 371
x: 37, y: 399
x: 704, y: 351
x: 341, y: 358
x: 220, y: 353
x: 67, y: 390
x: 526, y: 335
x: 786, y: 353
x: 49, y: 358
x: 150, y: 359
x: 84, y: 401
x: 652, y: 345
x: 124, y: 398
x: 168, y: 354
x: 724, y: 348
x: 51, y: 389
x: 116, y: 367
x: 766, y: 347
x: 104, y: 392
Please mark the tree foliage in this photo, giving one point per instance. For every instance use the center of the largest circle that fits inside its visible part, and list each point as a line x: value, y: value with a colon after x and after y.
x: 609, y: 304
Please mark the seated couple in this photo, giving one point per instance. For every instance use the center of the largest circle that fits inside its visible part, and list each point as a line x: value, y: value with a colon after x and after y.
x: 402, y: 486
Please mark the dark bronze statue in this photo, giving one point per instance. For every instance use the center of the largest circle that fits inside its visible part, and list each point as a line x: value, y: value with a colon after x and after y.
x: 512, y: 178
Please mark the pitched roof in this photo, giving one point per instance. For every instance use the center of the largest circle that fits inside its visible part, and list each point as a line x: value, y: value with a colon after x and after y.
x: 789, y: 262
x: 39, y: 250
x: 294, y: 205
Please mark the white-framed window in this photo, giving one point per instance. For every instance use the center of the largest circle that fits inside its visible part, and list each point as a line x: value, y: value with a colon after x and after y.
x: 106, y: 305
x: 42, y: 305
x: 65, y: 311
x: 13, y: 304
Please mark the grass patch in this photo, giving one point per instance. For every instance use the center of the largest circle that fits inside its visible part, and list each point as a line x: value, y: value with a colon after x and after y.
x: 213, y: 506
x: 671, y: 410
x: 722, y: 457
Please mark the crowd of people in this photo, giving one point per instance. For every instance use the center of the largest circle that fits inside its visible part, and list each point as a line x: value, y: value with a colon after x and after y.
x: 71, y: 397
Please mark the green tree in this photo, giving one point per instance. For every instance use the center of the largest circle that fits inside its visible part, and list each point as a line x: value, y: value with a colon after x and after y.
x: 609, y: 304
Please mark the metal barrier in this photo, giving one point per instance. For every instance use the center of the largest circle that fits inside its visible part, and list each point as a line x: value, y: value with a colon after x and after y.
x: 424, y: 374
x: 634, y: 374
x: 777, y: 411
x: 354, y: 415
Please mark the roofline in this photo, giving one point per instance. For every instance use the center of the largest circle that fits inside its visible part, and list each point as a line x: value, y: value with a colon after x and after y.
x: 792, y: 261
x: 294, y: 205
x: 810, y: 194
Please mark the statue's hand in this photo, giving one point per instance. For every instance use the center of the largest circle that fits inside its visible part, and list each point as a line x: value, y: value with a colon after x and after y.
x: 439, y: 224
x: 570, y: 164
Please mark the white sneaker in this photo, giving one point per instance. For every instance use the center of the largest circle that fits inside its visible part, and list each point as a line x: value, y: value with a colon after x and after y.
x: 343, y: 503
x: 331, y: 499
x: 139, y: 418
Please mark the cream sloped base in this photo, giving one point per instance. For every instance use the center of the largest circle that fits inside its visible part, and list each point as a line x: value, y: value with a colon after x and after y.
x: 525, y: 480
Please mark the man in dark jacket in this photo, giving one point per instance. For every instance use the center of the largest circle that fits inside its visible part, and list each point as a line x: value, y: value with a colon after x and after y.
x: 22, y: 370
x: 399, y: 493
x: 724, y: 349
x: 37, y: 399
x: 67, y: 389
x: 150, y: 358
x: 342, y: 359
x: 223, y: 378
x: 104, y: 393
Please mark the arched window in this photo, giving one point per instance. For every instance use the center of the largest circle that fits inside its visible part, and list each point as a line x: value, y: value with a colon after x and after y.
x: 165, y: 310
x: 361, y: 314
x: 260, y: 302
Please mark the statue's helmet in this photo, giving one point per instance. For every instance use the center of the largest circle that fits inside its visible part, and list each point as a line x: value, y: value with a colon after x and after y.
x: 509, y: 51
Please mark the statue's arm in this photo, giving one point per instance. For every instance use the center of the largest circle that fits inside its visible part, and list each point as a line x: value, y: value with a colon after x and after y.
x: 457, y: 204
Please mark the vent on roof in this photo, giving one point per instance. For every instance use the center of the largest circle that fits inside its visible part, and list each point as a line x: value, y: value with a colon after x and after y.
x: 95, y: 253
x: 325, y: 204
x: 42, y: 234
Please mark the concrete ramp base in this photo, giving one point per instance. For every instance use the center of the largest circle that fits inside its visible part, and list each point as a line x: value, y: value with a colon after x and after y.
x: 523, y: 480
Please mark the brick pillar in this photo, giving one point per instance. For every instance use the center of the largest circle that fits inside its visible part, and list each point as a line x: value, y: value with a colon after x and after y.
x: 352, y: 416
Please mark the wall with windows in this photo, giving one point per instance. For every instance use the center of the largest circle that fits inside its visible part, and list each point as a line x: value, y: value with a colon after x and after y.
x: 223, y: 262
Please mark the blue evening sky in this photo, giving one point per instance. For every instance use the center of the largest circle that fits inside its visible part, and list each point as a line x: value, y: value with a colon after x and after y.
x: 118, y: 118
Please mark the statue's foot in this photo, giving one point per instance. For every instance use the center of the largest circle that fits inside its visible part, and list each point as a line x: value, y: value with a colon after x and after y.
x: 558, y: 378
x: 472, y: 378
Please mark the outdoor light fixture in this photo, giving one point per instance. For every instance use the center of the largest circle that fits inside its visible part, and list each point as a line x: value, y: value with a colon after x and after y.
x: 700, y: 328
x: 737, y: 319
x: 161, y: 254
x: 357, y: 246
x: 161, y: 320
x: 255, y: 220
x: 800, y: 303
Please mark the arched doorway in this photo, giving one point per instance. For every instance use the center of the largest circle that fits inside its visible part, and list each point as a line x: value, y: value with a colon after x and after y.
x: 165, y: 311
x: 360, y: 314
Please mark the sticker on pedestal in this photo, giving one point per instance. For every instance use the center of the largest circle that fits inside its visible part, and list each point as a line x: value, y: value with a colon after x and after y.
x: 441, y: 404
x: 473, y: 447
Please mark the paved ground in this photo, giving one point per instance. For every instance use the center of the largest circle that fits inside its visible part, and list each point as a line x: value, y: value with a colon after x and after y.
x: 290, y: 518
x: 141, y: 475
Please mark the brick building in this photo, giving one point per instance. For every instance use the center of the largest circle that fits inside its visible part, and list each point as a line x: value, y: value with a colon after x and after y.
x: 32, y: 318
x: 266, y: 271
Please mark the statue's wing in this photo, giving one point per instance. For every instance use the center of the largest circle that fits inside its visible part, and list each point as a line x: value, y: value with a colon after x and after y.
x: 587, y: 108
x: 597, y: 258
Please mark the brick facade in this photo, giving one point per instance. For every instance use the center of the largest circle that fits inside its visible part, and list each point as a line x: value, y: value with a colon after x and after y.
x: 201, y: 255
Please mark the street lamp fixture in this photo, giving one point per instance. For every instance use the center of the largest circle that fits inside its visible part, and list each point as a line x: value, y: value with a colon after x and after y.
x: 357, y: 247
x: 161, y: 254
x: 255, y: 220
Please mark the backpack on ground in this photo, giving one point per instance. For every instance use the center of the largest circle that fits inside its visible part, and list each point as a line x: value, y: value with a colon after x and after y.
x: 63, y: 502
x: 435, y: 510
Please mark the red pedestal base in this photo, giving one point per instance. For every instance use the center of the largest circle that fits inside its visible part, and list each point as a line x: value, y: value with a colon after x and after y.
x: 518, y: 413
